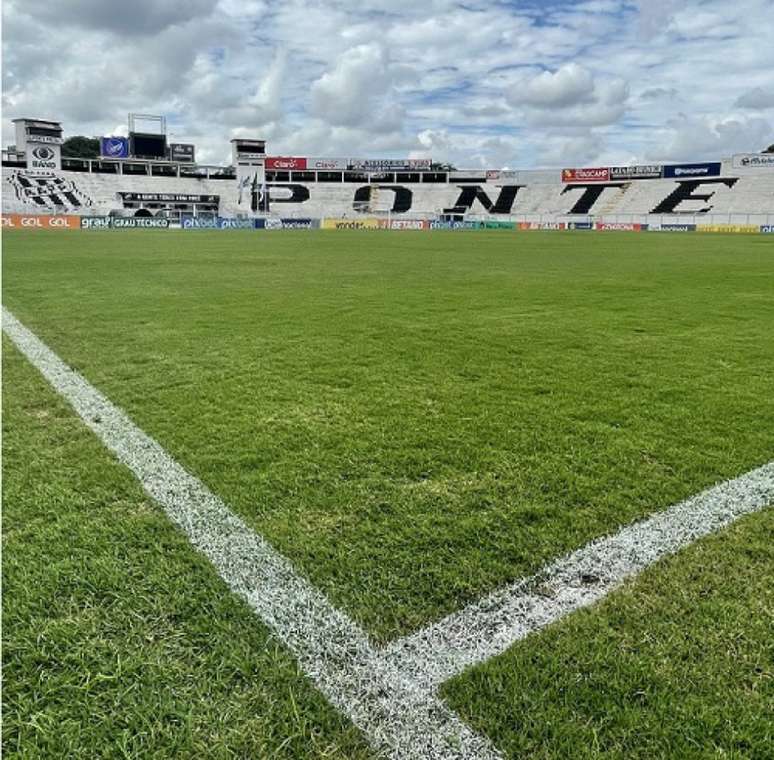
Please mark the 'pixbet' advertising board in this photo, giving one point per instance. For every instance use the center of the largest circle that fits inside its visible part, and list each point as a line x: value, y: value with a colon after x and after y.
x: 691, y: 171
x: 754, y: 161
x: 114, y: 147
x: 40, y: 222
x: 286, y: 163
x: 594, y: 174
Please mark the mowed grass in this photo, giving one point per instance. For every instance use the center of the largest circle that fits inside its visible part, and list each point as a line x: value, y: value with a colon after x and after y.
x: 119, y: 641
x: 678, y: 664
x: 416, y: 418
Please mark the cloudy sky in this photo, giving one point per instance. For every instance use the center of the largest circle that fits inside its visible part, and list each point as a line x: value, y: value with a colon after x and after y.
x: 513, y: 83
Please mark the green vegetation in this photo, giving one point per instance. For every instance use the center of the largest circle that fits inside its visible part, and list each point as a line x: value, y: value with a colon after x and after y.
x: 679, y: 664
x: 118, y: 639
x: 415, y: 419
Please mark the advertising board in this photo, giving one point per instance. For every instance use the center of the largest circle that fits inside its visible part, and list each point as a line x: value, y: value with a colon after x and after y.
x: 499, y: 225
x: 728, y: 228
x: 542, y: 226
x: 351, y: 224
x: 140, y: 222
x: 114, y: 147
x: 636, y: 172
x: 620, y: 226
x: 580, y: 225
x: 389, y: 164
x: 95, y: 222
x: 199, y: 223
x: 594, y: 174
x: 183, y: 152
x: 753, y: 161
x: 43, y: 157
x: 235, y: 224
x: 40, y: 222
x: 169, y: 197
x: 767, y: 229
x: 327, y: 164
x: 286, y: 163
x: 690, y: 171
x: 672, y: 227
x: 408, y: 224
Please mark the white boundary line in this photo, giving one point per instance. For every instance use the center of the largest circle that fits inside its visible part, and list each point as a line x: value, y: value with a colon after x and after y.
x: 488, y: 627
x: 389, y: 694
x: 398, y: 718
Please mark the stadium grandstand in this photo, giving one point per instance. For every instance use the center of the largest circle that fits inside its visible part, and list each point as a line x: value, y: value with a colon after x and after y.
x: 143, y: 176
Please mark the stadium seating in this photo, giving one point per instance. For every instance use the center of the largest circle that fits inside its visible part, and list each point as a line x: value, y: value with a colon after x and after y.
x: 738, y: 198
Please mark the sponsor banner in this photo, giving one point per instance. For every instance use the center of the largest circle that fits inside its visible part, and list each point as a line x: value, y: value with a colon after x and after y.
x: 140, y: 222
x: 598, y: 174
x: 636, y: 172
x: 43, y: 157
x: 691, y: 171
x: 351, y: 224
x: 327, y: 164
x: 542, y: 226
x: 235, y: 224
x: 620, y: 226
x: 259, y: 224
x: 672, y: 228
x: 123, y: 223
x: 183, y: 152
x: 389, y: 164
x: 292, y: 224
x: 767, y: 229
x: 753, y: 160
x: 499, y: 225
x: 48, y: 139
x: 286, y: 163
x: 95, y: 222
x: 114, y: 147
x: 40, y: 222
x: 580, y: 225
x: 300, y: 224
x: 169, y: 197
x: 247, y: 156
x: 437, y: 225
x: 728, y: 228
x: 198, y: 223
x: 407, y: 224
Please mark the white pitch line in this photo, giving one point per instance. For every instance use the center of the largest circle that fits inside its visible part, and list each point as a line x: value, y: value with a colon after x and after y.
x: 490, y: 626
x: 400, y: 719
x: 390, y: 693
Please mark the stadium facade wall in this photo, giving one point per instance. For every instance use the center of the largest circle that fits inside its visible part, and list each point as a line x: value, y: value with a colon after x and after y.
x: 738, y: 194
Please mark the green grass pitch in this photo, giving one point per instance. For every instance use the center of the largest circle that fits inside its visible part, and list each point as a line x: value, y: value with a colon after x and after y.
x: 413, y: 419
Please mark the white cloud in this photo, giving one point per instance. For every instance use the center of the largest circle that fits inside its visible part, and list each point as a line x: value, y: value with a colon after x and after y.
x: 477, y: 84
